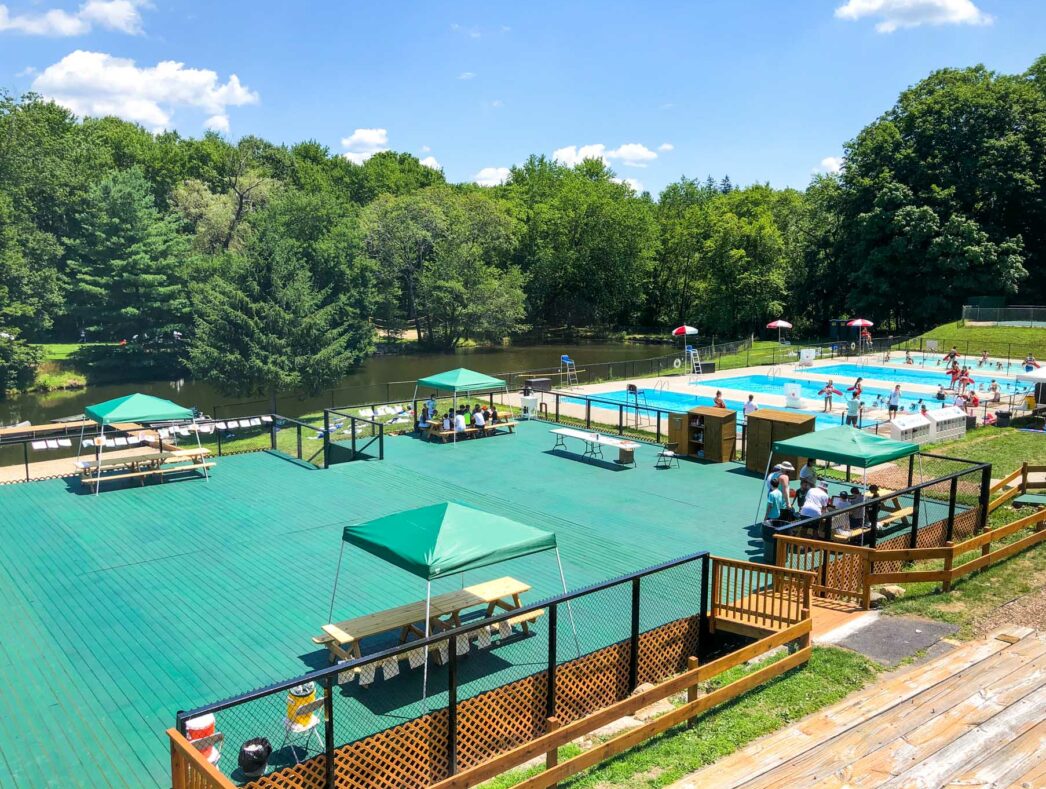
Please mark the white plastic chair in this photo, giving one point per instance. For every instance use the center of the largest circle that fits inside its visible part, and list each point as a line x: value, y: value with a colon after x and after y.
x: 304, y: 732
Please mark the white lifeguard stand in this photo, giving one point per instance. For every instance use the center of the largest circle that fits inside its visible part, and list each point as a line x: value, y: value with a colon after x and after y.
x: 913, y: 428
x: 948, y: 422
x: 636, y: 402
x: 806, y: 357
x: 693, y: 361
x: 793, y: 395
x: 567, y: 372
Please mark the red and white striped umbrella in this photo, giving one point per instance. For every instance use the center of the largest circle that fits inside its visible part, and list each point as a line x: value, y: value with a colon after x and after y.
x: 680, y: 331
x: 779, y: 324
x: 859, y: 322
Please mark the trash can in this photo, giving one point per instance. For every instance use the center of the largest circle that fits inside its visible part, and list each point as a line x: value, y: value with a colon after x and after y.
x: 1002, y: 418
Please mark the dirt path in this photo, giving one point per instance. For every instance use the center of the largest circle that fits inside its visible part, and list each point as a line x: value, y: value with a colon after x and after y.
x: 1028, y: 610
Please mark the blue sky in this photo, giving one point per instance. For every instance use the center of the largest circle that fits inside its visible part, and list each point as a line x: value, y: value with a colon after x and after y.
x: 763, y: 90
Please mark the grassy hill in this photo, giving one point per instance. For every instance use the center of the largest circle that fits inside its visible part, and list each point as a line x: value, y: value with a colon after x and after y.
x: 1000, y: 341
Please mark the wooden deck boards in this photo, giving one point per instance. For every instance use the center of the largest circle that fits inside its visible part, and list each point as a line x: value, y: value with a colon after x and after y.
x: 973, y: 717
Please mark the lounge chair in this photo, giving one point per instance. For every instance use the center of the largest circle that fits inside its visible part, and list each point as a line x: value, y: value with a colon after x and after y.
x: 39, y: 445
x: 366, y: 413
x: 65, y: 442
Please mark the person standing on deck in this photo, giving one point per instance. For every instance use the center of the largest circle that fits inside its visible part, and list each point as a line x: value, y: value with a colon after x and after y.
x: 894, y: 401
x: 853, y: 410
x: 750, y: 406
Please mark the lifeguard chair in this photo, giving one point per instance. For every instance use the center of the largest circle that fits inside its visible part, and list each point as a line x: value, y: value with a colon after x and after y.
x: 636, y: 401
x: 693, y: 361
x: 567, y: 372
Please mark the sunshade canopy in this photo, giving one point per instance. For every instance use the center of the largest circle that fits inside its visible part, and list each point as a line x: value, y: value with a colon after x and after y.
x: 846, y: 445
x: 136, y: 408
x: 461, y: 380
x: 444, y: 539
x: 779, y: 324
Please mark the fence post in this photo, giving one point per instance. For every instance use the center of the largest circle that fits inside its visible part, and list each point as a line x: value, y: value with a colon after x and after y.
x: 621, y: 419
x: 328, y: 728
x: 946, y: 585
x: 950, y: 528
x: 588, y: 413
x: 703, y: 629
x: 381, y: 441
x: 911, y: 469
x: 272, y: 431
x: 658, y: 427
x: 352, y: 425
x: 914, y: 539
x: 874, y: 532
x: 299, y: 441
x: 218, y: 434
x: 25, y: 455
x: 326, y: 438
x: 985, y: 497
x: 452, y: 708
x: 633, y: 653
x: 550, y: 684
x: 691, y: 690
x: 557, y: 407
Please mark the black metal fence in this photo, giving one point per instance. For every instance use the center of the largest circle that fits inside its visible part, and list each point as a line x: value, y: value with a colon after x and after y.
x: 479, y: 688
x: 934, y: 491
x: 1033, y: 316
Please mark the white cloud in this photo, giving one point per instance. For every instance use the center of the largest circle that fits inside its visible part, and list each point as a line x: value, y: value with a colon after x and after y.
x: 95, y: 83
x: 632, y: 154
x: 218, y: 123
x: 896, y: 14
x: 28, y: 71
x: 830, y: 164
x: 497, y: 104
x: 119, y: 15
x: 471, y: 32
x: 634, y: 183
x: 666, y: 147
x: 491, y: 176
x: 430, y: 161
x: 364, y: 143
x: 467, y: 75
x: 425, y: 149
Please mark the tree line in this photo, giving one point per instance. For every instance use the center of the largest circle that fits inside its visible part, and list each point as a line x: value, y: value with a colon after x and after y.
x: 264, y: 267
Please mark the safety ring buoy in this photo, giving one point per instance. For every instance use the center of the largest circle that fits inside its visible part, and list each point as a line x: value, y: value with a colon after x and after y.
x: 853, y: 346
x: 677, y: 363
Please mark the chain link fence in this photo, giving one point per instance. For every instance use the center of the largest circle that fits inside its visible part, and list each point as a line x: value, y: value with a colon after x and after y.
x: 1030, y: 316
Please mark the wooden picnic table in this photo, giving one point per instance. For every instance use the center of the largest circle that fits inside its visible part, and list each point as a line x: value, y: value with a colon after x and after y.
x: 342, y: 639
x: 594, y: 443
x: 143, y: 465
x: 435, y: 430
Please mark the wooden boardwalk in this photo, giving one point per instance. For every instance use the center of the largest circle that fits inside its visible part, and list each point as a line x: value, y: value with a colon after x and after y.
x: 975, y: 717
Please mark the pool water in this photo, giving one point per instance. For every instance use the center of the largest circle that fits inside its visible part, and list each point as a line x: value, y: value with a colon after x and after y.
x: 764, y: 384
x: 679, y: 402
x: 908, y: 375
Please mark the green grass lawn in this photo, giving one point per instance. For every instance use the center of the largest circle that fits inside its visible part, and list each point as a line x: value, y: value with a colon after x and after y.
x: 1006, y: 448
x: 1000, y: 341
x: 831, y: 674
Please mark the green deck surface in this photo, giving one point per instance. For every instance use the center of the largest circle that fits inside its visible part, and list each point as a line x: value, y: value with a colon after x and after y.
x: 123, y: 608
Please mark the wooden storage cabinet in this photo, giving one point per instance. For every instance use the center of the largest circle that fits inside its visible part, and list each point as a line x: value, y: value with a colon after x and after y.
x: 768, y: 425
x: 706, y: 433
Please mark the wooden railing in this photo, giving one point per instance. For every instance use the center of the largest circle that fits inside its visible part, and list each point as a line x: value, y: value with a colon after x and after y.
x: 754, y: 599
x: 688, y: 681
x: 190, y: 770
x: 1009, y: 494
x: 856, y: 565
x: 839, y: 570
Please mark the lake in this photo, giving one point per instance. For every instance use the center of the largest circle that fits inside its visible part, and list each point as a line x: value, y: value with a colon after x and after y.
x: 380, y: 378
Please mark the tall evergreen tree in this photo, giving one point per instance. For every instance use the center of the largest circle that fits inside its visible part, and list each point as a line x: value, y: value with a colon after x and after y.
x: 125, y: 265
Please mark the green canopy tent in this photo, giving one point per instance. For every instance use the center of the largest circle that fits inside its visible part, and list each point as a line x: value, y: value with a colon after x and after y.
x: 844, y: 445
x: 134, y: 408
x: 460, y: 381
x: 446, y: 539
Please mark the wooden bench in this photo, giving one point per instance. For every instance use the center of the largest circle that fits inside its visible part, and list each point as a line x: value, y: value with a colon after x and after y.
x: 446, y: 435
x: 342, y: 639
x: 159, y: 471
x: 896, y: 515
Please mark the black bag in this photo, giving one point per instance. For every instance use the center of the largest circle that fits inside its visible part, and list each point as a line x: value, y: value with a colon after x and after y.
x: 254, y: 757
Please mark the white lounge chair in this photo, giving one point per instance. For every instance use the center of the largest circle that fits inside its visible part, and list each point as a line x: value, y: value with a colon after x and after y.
x: 39, y: 445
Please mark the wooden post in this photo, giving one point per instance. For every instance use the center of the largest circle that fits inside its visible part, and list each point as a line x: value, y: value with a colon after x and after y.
x: 552, y: 756
x: 691, y: 691
x: 1024, y: 477
x: 866, y: 587
x: 946, y: 586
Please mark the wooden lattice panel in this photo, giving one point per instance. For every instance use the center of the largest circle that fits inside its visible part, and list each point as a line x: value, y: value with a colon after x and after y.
x: 497, y: 721
x: 414, y: 754
x: 844, y: 575
x: 966, y: 524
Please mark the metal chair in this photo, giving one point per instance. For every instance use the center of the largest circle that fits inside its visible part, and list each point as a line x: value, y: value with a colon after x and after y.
x: 669, y: 453
x: 304, y: 732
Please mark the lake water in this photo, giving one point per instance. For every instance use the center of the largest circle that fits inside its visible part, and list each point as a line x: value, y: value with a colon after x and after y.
x: 380, y: 378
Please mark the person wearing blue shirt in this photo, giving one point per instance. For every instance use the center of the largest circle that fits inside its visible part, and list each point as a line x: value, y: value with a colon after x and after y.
x: 775, y: 501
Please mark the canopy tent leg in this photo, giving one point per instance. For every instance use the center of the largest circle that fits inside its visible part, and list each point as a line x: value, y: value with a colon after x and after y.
x: 570, y: 609
x: 425, y: 672
x: 199, y: 446
x: 762, y: 496
x: 337, y: 574
x: 98, y: 468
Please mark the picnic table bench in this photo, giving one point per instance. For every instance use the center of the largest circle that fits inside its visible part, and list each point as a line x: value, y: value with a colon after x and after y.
x: 342, y: 639
x: 142, y: 466
x: 594, y: 443
x: 435, y: 431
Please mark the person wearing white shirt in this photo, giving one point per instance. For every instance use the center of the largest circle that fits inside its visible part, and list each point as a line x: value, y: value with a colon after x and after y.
x: 808, y: 473
x: 750, y: 406
x: 478, y: 420
x: 459, y: 423
x: 814, y: 503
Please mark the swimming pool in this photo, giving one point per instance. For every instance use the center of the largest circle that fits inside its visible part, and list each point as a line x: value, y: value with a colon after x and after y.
x: 764, y: 384
x: 909, y: 375
x: 679, y: 402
